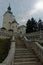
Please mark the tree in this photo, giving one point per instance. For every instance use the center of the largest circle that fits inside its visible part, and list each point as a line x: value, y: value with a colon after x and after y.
x: 31, y: 25
x: 28, y: 28
x: 40, y: 24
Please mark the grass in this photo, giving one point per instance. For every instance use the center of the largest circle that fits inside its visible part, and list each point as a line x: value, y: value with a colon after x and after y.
x: 4, y: 48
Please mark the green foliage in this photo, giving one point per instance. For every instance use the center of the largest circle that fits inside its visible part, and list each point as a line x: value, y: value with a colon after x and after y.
x: 31, y: 25
x: 4, y: 48
x: 40, y: 26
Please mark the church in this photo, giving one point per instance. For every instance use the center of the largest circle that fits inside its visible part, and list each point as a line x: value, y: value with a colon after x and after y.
x: 10, y: 23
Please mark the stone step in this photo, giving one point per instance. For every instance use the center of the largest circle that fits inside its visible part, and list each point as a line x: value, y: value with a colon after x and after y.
x: 23, y: 53
x: 24, y: 50
x: 30, y: 55
x: 21, y: 49
x: 28, y: 63
x: 27, y: 59
x: 20, y: 43
x: 20, y: 46
x: 25, y: 56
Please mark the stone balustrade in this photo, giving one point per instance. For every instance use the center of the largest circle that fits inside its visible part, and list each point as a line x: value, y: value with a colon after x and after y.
x: 10, y: 58
x: 37, y: 48
x: 35, y: 34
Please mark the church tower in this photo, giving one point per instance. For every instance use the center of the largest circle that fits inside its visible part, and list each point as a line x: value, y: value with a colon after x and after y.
x: 8, y: 17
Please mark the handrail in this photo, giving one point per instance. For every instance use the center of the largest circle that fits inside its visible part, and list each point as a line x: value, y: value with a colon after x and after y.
x: 38, y: 49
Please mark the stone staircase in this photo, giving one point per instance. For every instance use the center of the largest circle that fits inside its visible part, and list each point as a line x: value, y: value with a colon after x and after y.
x: 24, y: 56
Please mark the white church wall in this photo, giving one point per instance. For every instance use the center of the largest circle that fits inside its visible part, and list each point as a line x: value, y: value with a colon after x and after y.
x: 7, y: 20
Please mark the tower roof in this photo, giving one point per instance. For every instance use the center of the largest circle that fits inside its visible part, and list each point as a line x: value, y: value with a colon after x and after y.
x: 14, y: 21
x: 9, y: 8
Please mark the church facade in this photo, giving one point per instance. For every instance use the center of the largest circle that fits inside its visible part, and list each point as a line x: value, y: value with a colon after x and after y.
x: 9, y: 22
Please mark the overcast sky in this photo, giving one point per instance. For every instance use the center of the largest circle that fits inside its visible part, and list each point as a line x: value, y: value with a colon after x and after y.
x: 22, y: 9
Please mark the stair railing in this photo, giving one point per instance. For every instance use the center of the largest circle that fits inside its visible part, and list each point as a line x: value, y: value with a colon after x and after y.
x: 38, y: 49
x: 35, y: 46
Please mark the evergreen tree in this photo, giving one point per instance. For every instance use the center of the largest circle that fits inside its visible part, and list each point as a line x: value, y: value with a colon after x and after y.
x: 40, y: 24
x: 31, y: 25
x: 28, y: 26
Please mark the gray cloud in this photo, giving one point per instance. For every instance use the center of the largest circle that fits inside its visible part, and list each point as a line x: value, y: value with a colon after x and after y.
x: 22, y: 9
